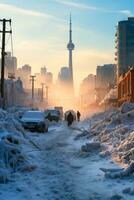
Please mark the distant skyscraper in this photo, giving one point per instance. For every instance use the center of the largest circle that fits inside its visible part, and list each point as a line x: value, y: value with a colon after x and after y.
x: 49, y: 78
x: 64, y: 75
x: 105, y: 79
x: 43, y: 70
x: 10, y: 64
x: 106, y: 75
x: 125, y: 45
x: 26, y: 69
x: 24, y: 73
x: 70, y: 47
x: 87, y: 90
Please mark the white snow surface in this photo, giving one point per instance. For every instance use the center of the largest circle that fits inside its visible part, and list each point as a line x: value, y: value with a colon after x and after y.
x: 126, y: 107
x: 12, y: 142
x: 54, y: 166
x: 115, y: 129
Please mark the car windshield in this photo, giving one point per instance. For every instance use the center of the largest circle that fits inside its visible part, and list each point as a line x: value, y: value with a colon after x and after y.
x: 54, y: 112
x: 33, y: 114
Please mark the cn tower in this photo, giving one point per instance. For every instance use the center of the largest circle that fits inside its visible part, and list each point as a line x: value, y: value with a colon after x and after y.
x: 70, y: 48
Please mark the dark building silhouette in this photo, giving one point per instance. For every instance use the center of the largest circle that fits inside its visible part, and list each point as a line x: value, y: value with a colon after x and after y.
x: 64, y: 75
x: 24, y: 73
x: 43, y: 71
x: 106, y: 75
x: 10, y: 65
x: 125, y: 45
x: 105, y: 79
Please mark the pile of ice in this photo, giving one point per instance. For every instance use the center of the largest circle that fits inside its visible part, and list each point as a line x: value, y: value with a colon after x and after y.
x: 115, y: 130
x: 12, y: 146
x: 9, y: 122
x: 126, y: 148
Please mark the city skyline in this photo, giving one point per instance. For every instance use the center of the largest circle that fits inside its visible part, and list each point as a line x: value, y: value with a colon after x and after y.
x: 40, y: 32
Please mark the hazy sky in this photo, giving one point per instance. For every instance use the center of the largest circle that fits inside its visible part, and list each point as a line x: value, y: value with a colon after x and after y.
x: 40, y: 32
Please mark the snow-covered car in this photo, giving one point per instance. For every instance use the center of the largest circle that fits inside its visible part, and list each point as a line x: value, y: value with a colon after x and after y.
x: 34, y: 120
x: 60, y: 108
x: 52, y: 115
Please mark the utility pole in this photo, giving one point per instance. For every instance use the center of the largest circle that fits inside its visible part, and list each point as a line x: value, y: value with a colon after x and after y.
x: 32, y: 79
x: 47, y: 94
x: 42, y: 96
x: 3, y: 53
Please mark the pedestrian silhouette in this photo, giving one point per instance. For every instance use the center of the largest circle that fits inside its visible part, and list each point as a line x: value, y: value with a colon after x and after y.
x: 70, y: 119
x: 78, y: 116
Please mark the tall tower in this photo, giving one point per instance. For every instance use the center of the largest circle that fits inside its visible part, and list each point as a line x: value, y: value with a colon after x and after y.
x: 70, y: 48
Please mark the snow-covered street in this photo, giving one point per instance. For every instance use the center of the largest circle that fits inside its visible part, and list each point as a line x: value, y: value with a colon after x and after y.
x: 63, y: 171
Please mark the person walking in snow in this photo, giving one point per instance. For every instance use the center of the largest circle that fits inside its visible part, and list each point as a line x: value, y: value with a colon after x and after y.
x: 78, y: 116
x: 70, y: 119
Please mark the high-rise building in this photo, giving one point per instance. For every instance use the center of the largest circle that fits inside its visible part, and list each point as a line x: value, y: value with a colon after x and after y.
x: 49, y: 78
x: 87, y: 90
x: 10, y: 65
x: 26, y: 69
x: 106, y: 75
x: 125, y: 45
x: 70, y: 48
x: 64, y: 75
x: 24, y: 73
x: 14, y: 93
x: 105, y: 80
x: 43, y: 70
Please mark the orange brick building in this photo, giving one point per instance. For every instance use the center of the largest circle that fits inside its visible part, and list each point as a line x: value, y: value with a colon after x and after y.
x: 126, y: 87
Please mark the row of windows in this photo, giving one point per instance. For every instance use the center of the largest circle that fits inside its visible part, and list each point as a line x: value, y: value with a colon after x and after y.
x: 127, y: 48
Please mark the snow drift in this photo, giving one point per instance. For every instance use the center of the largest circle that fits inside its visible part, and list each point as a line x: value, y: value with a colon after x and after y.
x: 115, y: 130
x: 12, y: 144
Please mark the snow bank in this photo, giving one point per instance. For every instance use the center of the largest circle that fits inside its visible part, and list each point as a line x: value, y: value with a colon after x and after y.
x: 12, y: 146
x: 126, y: 107
x: 115, y: 129
x: 126, y: 148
